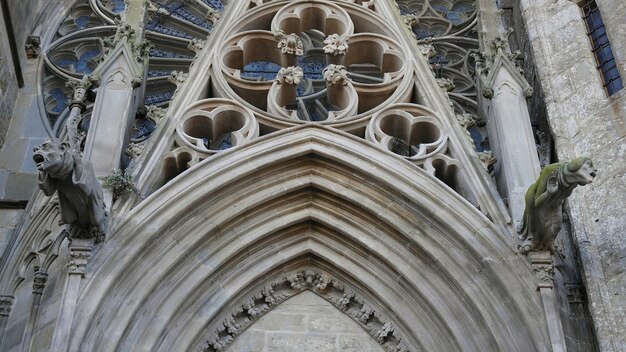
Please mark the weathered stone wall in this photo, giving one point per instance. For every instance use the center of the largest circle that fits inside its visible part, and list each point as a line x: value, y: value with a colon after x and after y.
x: 20, y: 116
x: 304, y: 323
x: 584, y: 121
x: 8, y: 81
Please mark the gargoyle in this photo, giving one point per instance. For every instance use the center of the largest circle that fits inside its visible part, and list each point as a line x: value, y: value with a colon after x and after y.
x: 543, y: 215
x: 81, y: 200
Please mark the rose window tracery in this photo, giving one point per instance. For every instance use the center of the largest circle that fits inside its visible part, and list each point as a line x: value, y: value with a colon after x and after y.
x: 311, y: 38
x: 174, y: 28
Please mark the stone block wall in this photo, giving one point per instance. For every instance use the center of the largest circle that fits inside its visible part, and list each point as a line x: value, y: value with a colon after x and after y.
x: 8, y: 81
x: 21, y: 123
x: 584, y: 121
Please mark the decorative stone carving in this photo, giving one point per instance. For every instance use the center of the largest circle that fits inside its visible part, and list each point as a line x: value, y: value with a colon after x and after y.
x: 80, y: 194
x: 575, y: 293
x: 336, y: 74
x: 177, y: 77
x: 6, y: 303
x: 326, y: 286
x: 155, y: 113
x: 290, y: 75
x: 544, y: 149
x: 39, y: 282
x: 543, y: 215
x: 446, y: 84
x: 213, y: 15
x: 543, y: 268
x: 33, y: 47
x: 134, y: 150
x: 336, y: 44
x: 79, y: 89
x: 289, y: 44
x: 427, y: 50
x: 467, y: 121
x: 410, y: 20
x: 487, y: 159
x: 79, y: 258
x: 196, y: 45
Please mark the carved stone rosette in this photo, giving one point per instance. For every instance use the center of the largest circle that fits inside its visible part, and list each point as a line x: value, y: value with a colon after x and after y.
x: 338, y: 293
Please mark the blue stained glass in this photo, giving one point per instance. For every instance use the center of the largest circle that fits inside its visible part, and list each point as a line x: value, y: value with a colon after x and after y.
x: 80, y: 65
x: 154, y: 52
x: 118, y: 6
x: 264, y: 70
x: 477, y: 138
x: 216, y: 4
x: 82, y: 22
x: 157, y: 27
x: 440, y: 8
x: 143, y: 129
x: 182, y: 12
x: 158, y: 73
x: 312, y: 67
x: 59, y: 97
x: 158, y: 98
x: 454, y: 17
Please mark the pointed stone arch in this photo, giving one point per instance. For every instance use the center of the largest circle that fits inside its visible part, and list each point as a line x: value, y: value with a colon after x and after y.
x: 439, y: 269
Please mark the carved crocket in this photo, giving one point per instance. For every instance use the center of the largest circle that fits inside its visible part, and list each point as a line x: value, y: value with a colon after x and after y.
x: 543, y: 215
x: 80, y: 195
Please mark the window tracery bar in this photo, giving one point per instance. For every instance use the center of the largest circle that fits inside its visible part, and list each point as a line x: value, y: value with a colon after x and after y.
x: 601, y: 47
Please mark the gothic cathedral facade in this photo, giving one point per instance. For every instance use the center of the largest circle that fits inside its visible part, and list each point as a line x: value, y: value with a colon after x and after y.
x: 312, y: 175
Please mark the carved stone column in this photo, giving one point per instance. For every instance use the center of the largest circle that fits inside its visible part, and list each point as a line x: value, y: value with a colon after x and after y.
x: 39, y: 283
x: 503, y: 101
x: 6, y: 303
x: 80, y: 253
x: 543, y: 268
x: 77, y: 106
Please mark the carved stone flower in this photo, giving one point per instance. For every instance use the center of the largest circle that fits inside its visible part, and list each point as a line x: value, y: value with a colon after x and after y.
x: 289, y: 44
x: 336, y: 44
x: 290, y: 75
x: 336, y: 74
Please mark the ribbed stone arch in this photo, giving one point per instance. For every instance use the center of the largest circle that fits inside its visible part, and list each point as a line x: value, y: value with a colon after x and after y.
x: 437, y: 267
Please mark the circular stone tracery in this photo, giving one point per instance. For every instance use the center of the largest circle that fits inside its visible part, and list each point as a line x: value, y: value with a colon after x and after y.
x: 310, y: 36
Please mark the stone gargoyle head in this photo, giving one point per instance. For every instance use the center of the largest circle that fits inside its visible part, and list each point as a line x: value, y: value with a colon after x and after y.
x: 579, y: 171
x: 53, y: 159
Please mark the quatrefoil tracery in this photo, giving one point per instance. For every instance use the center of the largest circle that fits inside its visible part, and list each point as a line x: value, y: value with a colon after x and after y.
x: 252, y: 58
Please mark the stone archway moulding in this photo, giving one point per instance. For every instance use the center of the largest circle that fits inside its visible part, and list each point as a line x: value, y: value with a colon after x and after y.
x: 436, y: 266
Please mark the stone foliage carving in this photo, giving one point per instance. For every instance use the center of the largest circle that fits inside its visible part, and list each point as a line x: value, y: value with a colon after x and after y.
x: 336, y: 74
x: 289, y: 43
x: 543, y: 215
x: 80, y: 194
x: 177, y: 77
x: 326, y: 286
x: 290, y: 75
x: 336, y: 44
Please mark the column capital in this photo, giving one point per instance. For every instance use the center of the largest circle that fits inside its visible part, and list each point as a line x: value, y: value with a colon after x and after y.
x: 39, y: 282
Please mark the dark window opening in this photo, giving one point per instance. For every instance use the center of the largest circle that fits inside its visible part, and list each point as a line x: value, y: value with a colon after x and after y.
x: 601, y: 47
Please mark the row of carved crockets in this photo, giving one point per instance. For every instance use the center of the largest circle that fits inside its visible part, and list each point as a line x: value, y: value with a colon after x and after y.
x: 410, y: 130
x: 246, y: 312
